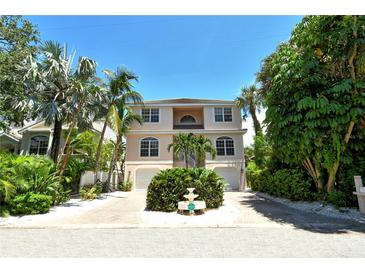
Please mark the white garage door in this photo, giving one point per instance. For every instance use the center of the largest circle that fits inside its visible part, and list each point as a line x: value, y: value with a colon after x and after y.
x: 144, y: 177
x: 231, y: 175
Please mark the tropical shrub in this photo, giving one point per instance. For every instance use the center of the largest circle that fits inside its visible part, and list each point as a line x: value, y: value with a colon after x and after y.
x: 168, y: 187
x: 90, y: 191
x: 337, y: 198
x: 286, y: 183
x: 31, y: 203
x: 125, y: 186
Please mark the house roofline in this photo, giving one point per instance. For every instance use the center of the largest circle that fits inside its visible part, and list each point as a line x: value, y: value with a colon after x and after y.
x: 10, y: 136
x: 197, y: 131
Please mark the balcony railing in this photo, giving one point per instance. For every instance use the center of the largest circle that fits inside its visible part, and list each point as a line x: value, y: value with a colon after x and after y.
x: 194, y: 126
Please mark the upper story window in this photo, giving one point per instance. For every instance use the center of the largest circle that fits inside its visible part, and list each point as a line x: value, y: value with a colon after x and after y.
x: 149, y: 147
x: 151, y: 115
x: 38, y: 145
x: 225, y: 146
x: 223, y: 114
x: 187, y: 119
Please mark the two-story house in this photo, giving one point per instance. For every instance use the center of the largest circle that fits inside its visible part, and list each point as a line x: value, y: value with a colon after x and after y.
x: 218, y: 120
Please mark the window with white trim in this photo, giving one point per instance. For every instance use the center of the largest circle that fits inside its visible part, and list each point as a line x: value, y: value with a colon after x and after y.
x: 224, y: 146
x: 149, y: 147
x: 38, y: 145
x: 151, y: 115
x: 223, y: 114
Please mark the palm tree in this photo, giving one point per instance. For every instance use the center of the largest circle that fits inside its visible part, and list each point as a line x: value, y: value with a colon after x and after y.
x: 118, y: 91
x: 182, y: 143
x: 49, y: 82
x: 250, y: 101
x: 120, y: 117
x: 81, y: 103
x: 203, y: 145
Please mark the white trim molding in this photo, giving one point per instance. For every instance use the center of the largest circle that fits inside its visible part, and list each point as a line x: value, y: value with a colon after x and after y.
x: 161, y: 162
x: 198, y: 131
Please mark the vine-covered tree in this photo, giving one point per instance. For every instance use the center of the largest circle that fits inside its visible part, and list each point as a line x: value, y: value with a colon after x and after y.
x: 314, y: 86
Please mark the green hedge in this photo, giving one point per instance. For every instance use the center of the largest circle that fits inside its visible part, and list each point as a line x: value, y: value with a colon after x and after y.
x: 168, y: 187
x: 286, y: 183
x: 31, y: 203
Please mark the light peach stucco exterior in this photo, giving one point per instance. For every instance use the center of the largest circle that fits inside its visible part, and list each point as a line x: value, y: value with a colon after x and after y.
x: 171, y: 111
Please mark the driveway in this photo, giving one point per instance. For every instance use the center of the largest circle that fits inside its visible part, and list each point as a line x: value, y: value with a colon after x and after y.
x: 114, y: 228
x: 239, y: 210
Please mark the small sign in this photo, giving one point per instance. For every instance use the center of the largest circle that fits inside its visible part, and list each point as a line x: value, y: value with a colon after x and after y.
x: 191, y: 206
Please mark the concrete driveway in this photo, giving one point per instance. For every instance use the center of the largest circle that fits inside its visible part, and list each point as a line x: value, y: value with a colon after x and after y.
x: 252, y: 211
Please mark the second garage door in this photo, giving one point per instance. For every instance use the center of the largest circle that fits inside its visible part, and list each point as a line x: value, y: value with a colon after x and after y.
x: 144, y: 177
x: 231, y: 175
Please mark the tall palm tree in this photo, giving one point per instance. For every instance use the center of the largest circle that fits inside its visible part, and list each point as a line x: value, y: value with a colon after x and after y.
x: 203, y: 145
x: 250, y: 101
x: 117, y: 91
x: 49, y: 82
x: 120, y: 117
x: 81, y: 103
x: 182, y: 143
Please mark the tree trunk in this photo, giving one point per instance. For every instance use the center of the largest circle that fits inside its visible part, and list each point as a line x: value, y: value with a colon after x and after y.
x: 112, y: 163
x: 256, y: 123
x: 55, y: 147
x: 98, y: 151
x: 66, y: 150
x: 186, y: 160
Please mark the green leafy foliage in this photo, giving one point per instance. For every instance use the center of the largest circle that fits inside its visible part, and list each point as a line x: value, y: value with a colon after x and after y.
x: 286, y: 183
x: 168, y: 187
x: 315, y: 97
x: 337, y: 198
x: 125, y: 186
x: 31, y: 203
x: 18, y: 38
x: 20, y: 175
x: 90, y: 191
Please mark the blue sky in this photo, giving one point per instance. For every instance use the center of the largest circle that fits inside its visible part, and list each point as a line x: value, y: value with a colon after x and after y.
x: 174, y: 56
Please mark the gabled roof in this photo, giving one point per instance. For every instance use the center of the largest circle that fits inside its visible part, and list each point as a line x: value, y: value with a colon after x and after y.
x: 36, y: 123
x: 10, y: 136
x: 188, y: 101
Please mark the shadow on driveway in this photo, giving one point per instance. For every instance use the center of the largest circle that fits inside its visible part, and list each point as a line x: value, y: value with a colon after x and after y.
x: 313, y: 222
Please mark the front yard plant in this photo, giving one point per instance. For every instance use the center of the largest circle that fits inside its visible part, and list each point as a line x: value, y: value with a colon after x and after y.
x: 90, y: 191
x: 168, y: 187
x: 31, y: 203
x: 125, y: 186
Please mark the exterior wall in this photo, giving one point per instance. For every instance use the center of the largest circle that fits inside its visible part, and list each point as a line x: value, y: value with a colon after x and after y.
x: 25, y: 144
x: 9, y: 144
x: 238, y: 146
x: 133, y: 145
x: 171, y: 115
x: 197, y: 113
x: 165, y: 122
x: 209, y: 122
x: 132, y: 167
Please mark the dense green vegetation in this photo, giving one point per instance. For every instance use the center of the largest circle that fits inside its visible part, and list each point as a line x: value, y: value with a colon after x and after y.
x: 313, y: 88
x: 168, y: 187
x: 40, y: 80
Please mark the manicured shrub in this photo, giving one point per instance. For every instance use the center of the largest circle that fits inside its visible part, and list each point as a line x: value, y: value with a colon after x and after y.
x: 168, y: 187
x: 125, y: 186
x: 286, y: 183
x: 31, y: 203
x: 90, y: 191
x: 338, y: 199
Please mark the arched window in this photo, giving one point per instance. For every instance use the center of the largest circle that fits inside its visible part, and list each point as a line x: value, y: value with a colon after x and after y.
x: 187, y: 119
x: 149, y: 147
x: 225, y: 146
x: 38, y: 145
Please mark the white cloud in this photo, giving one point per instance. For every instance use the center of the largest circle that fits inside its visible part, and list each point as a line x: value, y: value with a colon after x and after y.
x: 248, y: 124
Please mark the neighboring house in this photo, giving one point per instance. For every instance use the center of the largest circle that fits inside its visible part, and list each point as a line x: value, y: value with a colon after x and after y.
x: 36, y: 138
x: 219, y: 120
